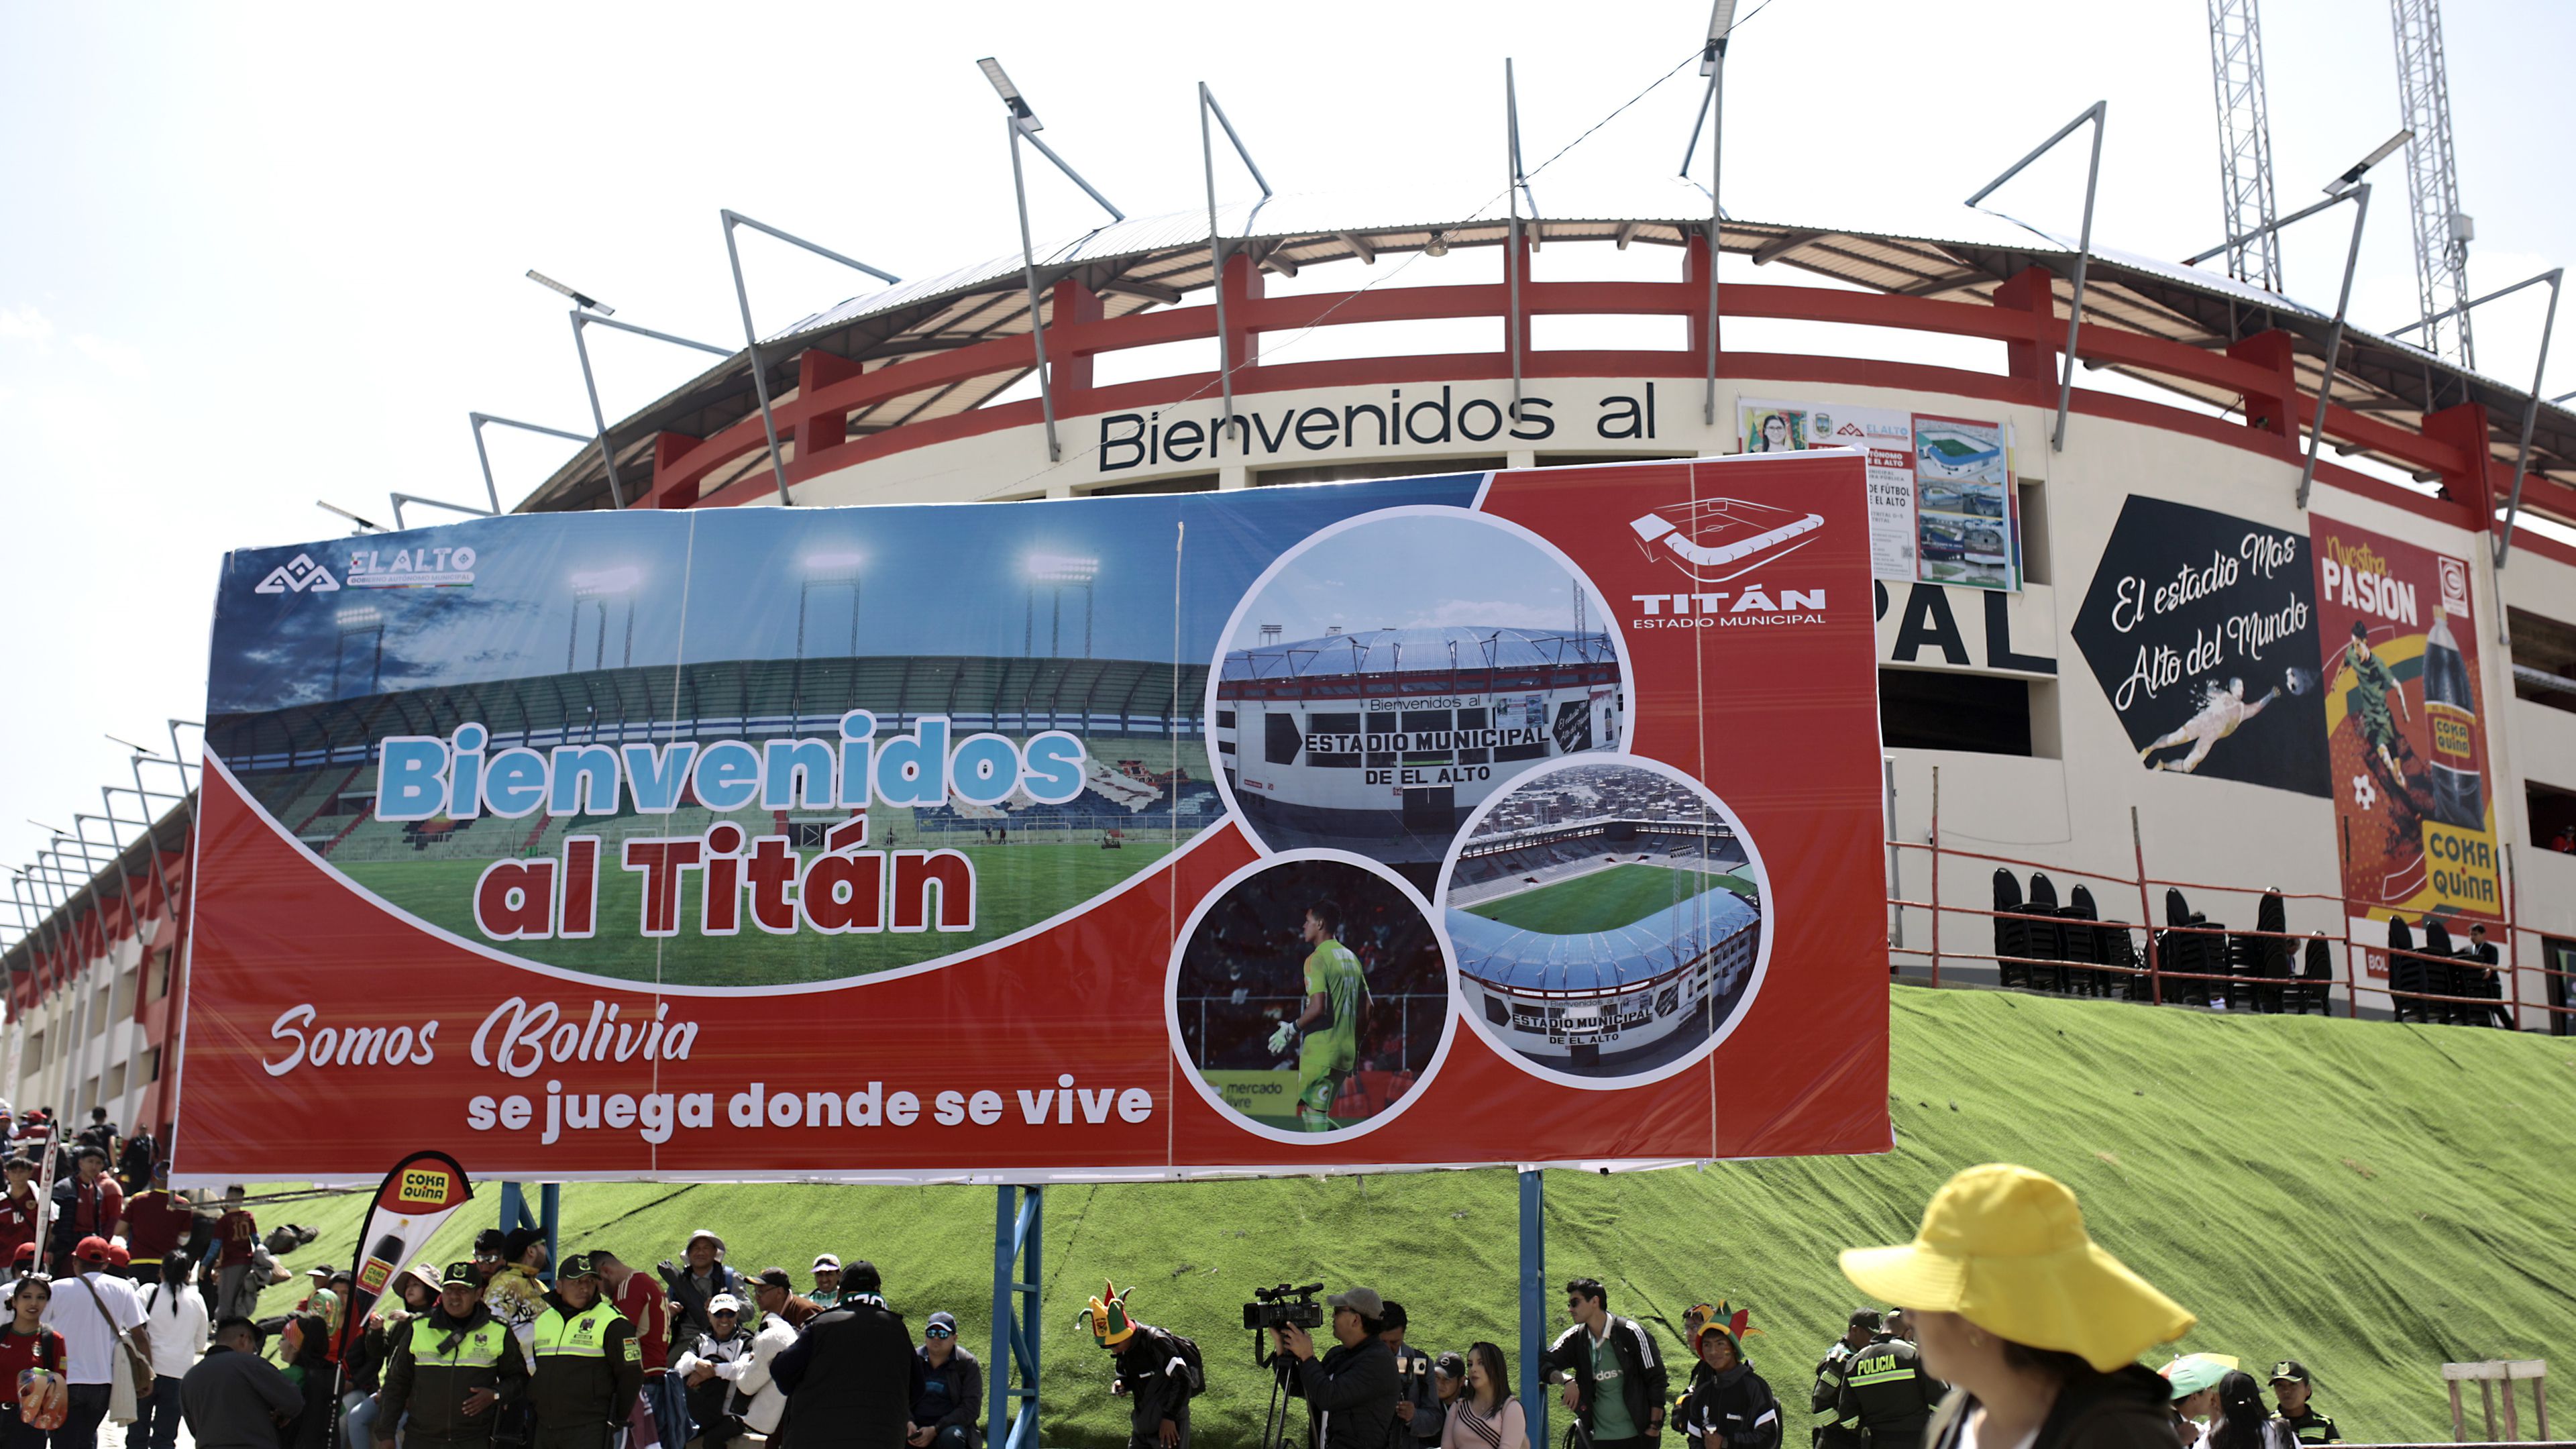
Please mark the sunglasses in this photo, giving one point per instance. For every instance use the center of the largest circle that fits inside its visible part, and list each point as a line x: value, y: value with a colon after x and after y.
x: 940, y: 1333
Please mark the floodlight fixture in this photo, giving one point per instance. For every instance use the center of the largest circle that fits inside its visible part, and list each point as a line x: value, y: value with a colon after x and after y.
x: 844, y: 562
x: 578, y: 300
x: 1721, y: 20
x: 364, y: 525
x: 131, y: 745
x: 2098, y: 116
x: 360, y: 618
x: 2562, y: 397
x: 1021, y: 116
x: 2352, y: 177
x: 1438, y: 246
x: 1058, y: 568
x: 751, y: 339
x: 596, y: 583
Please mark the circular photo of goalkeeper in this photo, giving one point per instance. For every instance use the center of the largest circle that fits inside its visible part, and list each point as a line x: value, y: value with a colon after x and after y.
x: 1311, y: 997
x: 1608, y: 921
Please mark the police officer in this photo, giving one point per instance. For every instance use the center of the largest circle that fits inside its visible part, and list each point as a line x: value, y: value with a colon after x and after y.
x: 2290, y: 1387
x: 451, y: 1370
x: 1835, y: 1428
x: 588, y: 1368
x: 1886, y: 1391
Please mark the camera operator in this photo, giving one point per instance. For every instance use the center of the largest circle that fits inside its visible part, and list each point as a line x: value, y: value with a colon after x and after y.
x: 1152, y: 1373
x: 1617, y: 1379
x: 1350, y: 1392
x: 1418, y: 1410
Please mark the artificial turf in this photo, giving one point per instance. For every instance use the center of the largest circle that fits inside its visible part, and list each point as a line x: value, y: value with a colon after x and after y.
x: 1602, y: 900
x: 2371, y: 1199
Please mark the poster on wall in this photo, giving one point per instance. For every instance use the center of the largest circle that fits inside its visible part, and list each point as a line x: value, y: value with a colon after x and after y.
x: 1416, y: 823
x: 2202, y: 630
x: 1943, y: 507
x: 2414, y: 818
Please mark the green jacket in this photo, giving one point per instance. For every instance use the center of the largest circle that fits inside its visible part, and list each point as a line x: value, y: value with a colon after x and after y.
x: 435, y: 1363
x: 587, y: 1366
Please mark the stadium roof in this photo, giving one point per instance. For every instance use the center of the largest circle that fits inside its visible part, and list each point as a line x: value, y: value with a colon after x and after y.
x: 1147, y: 262
x: 1417, y: 651
x: 1601, y: 961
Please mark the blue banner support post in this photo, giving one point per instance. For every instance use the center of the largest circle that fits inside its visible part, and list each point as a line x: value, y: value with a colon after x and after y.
x: 1533, y: 1304
x: 1019, y: 1237
x: 548, y: 1218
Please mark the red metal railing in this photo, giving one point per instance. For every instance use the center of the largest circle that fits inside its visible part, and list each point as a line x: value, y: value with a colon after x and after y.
x: 2347, y: 975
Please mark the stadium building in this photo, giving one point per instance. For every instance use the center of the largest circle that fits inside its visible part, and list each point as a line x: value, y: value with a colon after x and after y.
x: 2180, y: 425
x: 1573, y: 975
x: 1383, y: 741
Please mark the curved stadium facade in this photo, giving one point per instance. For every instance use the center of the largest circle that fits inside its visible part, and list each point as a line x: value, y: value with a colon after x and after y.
x: 2193, y: 396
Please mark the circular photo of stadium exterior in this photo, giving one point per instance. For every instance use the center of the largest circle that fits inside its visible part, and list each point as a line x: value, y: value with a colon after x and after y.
x: 1608, y: 921
x: 1310, y: 997
x: 1390, y: 674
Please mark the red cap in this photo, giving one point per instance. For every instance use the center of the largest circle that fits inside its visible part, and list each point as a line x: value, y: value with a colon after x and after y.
x: 92, y: 1249
x: 26, y: 1253
x: 117, y: 1255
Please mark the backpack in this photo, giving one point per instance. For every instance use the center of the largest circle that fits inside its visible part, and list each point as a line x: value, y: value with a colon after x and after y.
x: 1195, y: 1374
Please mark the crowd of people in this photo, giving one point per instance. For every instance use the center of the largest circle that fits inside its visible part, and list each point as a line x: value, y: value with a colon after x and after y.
x: 2019, y: 1332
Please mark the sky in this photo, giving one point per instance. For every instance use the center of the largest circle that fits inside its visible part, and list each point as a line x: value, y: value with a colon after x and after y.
x: 1416, y: 572
x: 264, y: 254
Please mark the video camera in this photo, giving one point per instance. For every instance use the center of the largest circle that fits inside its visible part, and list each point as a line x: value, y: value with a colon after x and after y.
x: 1284, y: 1307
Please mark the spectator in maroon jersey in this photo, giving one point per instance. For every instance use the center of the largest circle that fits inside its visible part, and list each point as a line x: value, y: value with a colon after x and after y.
x: 156, y: 1223
x: 18, y: 1211
x: 236, y: 1296
x: 648, y: 1311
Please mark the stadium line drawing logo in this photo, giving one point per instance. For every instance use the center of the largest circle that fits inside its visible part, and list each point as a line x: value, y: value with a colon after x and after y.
x: 1717, y: 539
x: 298, y: 575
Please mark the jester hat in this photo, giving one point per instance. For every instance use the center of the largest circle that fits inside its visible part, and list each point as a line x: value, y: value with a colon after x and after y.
x: 1106, y: 1316
x: 1733, y: 1322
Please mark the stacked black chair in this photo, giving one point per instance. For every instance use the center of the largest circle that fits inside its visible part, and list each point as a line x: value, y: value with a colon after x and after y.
x: 2114, y: 946
x: 2047, y: 940
x: 2083, y: 942
x: 2193, y: 947
x: 2272, y: 951
x: 2405, y: 972
x: 2011, y: 936
x: 2438, y: 975
x: 2316, y: 984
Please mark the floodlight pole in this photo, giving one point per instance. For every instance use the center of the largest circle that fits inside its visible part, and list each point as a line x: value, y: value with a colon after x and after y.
x: 1216, y: 250
x: 484, y: 456
x: 2531, y: 408
x: 599, y: 421
x: 2098, y: 114
x: 1516, y: 185
x: 1534, y: 1302
x: 1716, y: 215
x: 751, y: 339
x: 2358, y: 193
x: 107, y: 795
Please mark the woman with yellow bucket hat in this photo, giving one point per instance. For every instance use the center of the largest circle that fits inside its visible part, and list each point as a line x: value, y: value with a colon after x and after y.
x: 2036, y: 1327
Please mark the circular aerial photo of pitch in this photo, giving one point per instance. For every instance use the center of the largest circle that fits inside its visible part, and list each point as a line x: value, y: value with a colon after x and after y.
x: 1391, y: 673
x: 1608, y: 921
x: 1310, y: 998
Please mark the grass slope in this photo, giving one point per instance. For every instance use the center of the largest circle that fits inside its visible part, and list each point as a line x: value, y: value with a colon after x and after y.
x: 1016, y: 887
x: 2370, y: 1198
x: 1601, y: 900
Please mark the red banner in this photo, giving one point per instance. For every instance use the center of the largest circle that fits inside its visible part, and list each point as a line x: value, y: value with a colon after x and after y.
x: 1524, y: 820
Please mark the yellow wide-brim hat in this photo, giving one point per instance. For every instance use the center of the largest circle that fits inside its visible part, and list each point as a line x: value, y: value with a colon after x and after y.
x: 2005, y: 1248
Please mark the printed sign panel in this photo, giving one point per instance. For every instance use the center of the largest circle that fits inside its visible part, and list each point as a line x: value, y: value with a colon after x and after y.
x: 1357, y: 826
x: 2413, y: 813
x: 1943, y: 506
x: 2201, y: 629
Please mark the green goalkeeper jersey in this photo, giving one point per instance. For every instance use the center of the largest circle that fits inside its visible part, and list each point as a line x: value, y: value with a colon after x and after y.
x: 1334, y: 1046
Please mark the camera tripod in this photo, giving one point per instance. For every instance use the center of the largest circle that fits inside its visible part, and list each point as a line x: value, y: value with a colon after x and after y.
x: 1275, y: 1421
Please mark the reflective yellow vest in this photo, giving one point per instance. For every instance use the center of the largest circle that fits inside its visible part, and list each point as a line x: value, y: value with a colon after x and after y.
x: 478, y: 1347
x: 584, y: 1335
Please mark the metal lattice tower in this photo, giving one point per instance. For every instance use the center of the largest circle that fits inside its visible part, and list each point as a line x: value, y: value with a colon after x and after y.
x: 2442, y: 230
x: 2244, y: 140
